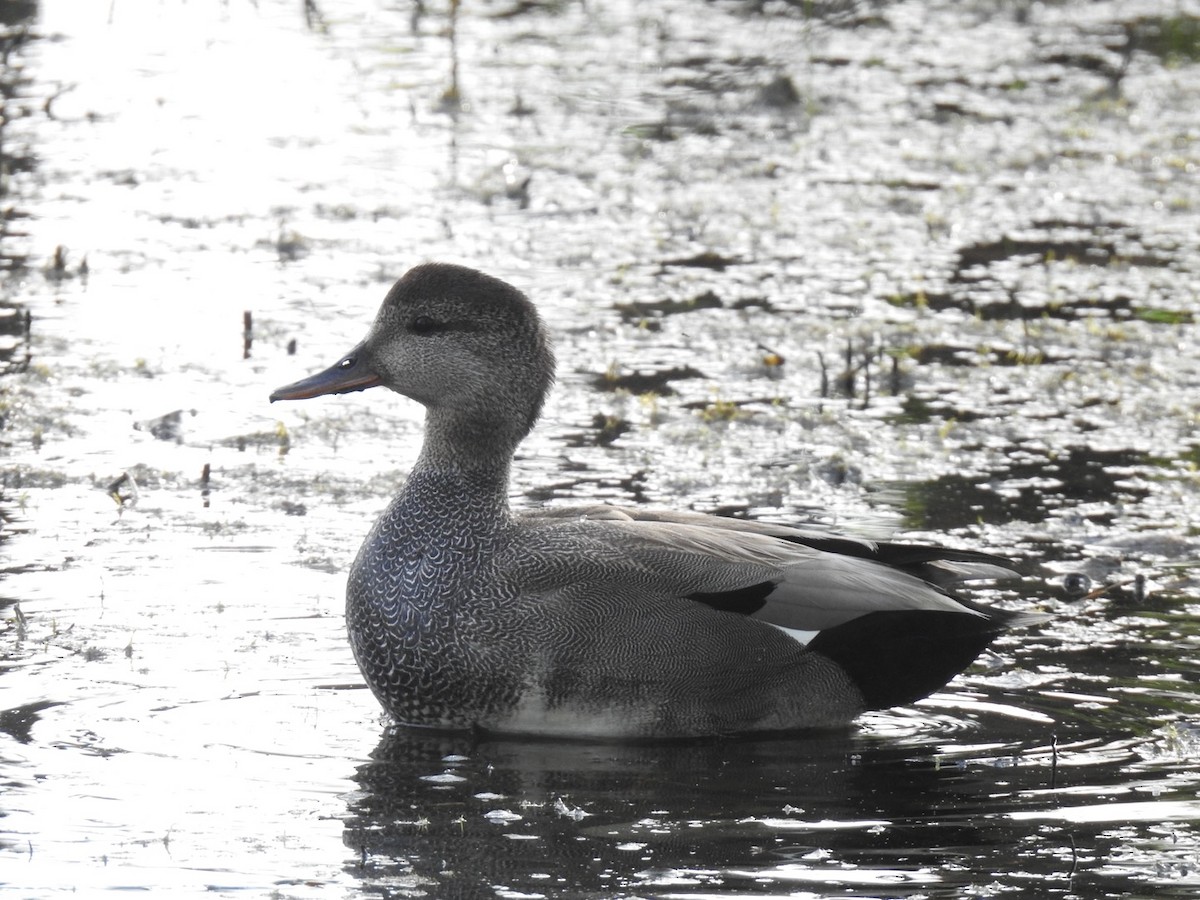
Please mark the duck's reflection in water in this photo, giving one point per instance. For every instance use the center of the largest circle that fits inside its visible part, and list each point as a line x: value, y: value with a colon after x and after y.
x: 444, y: 816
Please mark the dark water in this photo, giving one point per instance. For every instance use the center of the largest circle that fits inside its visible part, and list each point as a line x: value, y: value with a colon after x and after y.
x: 920, y: 268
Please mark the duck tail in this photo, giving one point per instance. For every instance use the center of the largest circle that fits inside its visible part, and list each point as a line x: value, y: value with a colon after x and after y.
x: 895, y: 657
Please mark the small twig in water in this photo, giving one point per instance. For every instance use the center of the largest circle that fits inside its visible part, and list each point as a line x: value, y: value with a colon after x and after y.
x: 1053, y: 761
x: 1139, y: 590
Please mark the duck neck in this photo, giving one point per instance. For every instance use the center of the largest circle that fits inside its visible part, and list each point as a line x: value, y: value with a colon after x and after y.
x: 468, y: 457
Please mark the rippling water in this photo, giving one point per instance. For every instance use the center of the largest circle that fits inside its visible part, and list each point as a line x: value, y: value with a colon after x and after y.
x: 924, y: 268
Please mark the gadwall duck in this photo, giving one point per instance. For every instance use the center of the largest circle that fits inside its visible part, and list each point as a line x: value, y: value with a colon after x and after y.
x: 601, y: 621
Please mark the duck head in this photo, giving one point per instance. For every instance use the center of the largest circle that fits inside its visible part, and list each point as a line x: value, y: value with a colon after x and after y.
x: 469, y: 347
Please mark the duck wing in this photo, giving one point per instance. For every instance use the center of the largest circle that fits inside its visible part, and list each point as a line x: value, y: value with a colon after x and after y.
x: 791, y: 577
x: 882, y: 611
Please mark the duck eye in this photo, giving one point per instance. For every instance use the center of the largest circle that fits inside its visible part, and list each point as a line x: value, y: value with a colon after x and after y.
x: 423, y: 325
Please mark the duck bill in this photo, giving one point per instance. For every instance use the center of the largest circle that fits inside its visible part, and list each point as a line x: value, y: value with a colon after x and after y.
x: 349, y: 374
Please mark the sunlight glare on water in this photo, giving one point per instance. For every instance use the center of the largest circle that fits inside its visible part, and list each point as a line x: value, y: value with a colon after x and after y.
x: 919, y: 266
x: 206, y: 115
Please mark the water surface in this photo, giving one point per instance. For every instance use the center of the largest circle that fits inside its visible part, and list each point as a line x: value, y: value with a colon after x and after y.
x: 926, y: 268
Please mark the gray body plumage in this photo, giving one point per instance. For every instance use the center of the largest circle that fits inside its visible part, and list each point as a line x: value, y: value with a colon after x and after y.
x: 472, y: 618
x: 601, y: 621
